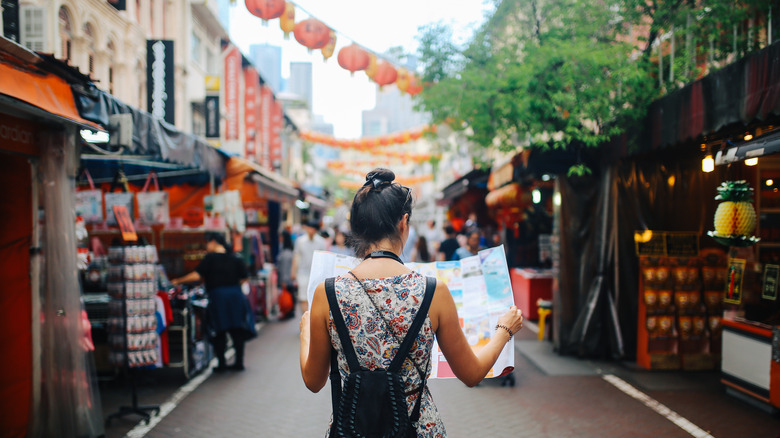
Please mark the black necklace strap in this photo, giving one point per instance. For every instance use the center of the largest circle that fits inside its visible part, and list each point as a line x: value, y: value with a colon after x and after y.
x: 382, y: 254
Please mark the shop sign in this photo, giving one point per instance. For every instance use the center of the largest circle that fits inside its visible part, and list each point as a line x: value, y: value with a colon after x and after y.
x: 733, y: 291
x: 769, y: 291
x: 666, y: 243
x: 251, y: 110
x: 275, y: 146
x: 212, y: 116
x: 125, y: 223
x: 159, y: 79
x: 266, y: 102
x: 18, y: 135
x: 232, y: 78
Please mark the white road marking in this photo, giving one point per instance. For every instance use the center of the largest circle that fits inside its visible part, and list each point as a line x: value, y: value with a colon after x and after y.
x: 655, y: 405
x: 141, y: 429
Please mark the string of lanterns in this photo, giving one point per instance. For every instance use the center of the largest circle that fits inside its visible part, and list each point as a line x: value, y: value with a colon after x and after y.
x: 316, y: 35
x: 367, y: 143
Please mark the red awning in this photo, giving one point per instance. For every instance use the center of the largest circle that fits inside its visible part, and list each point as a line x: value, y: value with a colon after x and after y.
x: 510, y: 196
x: 43, y: 90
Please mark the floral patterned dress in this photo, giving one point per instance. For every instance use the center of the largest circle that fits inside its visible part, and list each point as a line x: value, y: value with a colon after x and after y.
x: 398, y: 299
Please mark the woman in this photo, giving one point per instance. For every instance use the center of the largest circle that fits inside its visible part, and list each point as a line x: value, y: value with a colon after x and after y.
x: 472, y: 246
x: 421, y: 254
x: 340, y: 244
x: 228, y: 309
x: 379, y: 221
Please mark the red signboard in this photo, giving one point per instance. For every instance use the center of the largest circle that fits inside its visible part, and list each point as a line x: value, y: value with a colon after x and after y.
x: 125, y: 223
x: 266, y: 114
x: 232, y: 86
x: 251, y: 111
x: 277, y: 123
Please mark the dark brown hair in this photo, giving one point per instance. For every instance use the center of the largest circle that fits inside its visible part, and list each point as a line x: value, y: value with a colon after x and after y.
x: 376, y: 210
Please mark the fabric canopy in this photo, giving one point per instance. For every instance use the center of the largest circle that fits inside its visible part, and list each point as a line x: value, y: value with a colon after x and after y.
x: 42, y: 90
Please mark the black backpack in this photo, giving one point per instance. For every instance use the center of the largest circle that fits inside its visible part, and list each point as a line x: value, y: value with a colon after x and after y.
x: 373, y: 403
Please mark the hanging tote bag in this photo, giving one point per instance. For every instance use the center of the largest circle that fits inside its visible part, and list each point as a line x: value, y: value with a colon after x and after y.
x: 89, y: 203
x: 153, y: 208
x: 119, y: 198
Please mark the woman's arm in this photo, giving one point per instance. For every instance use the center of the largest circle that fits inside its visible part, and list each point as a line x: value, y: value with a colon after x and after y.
x: 315, y: 342
x: 468, y: 366
x: 192, y: 277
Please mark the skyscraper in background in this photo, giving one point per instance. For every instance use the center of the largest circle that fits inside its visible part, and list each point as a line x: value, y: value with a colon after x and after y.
x: 300, y: 81
x: 394, y: 111
x: 268, y: 61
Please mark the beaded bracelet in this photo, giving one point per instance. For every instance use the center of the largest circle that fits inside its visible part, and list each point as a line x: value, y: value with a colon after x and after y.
x: 505, y: 328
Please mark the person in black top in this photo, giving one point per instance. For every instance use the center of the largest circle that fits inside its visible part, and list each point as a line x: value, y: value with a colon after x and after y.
x: 449, y: 245
x: 228, y: 310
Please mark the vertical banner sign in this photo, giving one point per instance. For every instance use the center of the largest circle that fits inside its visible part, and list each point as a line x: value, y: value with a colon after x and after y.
x: 119, y: 5
x: 232, y: 78
x: 277, y: 122
x: 159, y: 79
x: 267, y: 99
x: 251, y: 110
x: 10, y: 18
x: 212, y: 116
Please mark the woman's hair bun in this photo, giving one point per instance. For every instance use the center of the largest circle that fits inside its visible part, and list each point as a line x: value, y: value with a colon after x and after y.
x: 381, y: 174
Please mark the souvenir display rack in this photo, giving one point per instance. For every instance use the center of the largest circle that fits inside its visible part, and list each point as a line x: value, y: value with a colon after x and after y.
x: 132, y: 323
x: 680, y: 303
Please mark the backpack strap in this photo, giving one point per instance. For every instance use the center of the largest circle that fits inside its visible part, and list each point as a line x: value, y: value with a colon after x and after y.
x: 341, y: 326
x: 414, y: 329
x: 422, y: 313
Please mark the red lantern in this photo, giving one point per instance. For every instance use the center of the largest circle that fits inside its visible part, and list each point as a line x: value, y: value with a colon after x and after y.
x: 266, y: 9
x: 385, y: 73
x: 415, y: 86
x: 312, y: 33
x: 353, y: 58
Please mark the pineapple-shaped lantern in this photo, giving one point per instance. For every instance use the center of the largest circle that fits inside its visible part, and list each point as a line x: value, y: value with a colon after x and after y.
x: 735, y: 218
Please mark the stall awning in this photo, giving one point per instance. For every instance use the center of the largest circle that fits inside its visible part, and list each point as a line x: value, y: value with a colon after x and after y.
x: 475, y: 178
x: 269, y: 184
x: 34, y: 90
x: 765, y: 145
x: 509, y: 196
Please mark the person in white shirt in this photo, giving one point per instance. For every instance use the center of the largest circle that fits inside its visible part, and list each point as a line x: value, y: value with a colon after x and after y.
x: 305, y: 245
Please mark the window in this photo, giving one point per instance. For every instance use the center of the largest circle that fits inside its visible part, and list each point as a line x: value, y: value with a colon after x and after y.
x: 111, y: 55
x: 66, y: 34
x: 32, y: 25
x: 89, y: 39
x: 196, y: 49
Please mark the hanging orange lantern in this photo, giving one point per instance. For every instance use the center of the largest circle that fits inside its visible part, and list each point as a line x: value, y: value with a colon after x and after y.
x: 287, y: 20
x: 312, y: 33
x: 385, y: 73
x: 353, y: 58
x: 371, y: 69
x: 327, y: 51
x: 266, y: 9
x: 402, y: 82
x: 415, y: 85
x: 415, y: 135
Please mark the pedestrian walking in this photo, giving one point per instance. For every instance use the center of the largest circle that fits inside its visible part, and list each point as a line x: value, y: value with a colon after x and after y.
x: 284, y: 270
x: 382, y: 289
x: 305, y: 245
x: 340, y: 244
x: 471, y: 248
x: 228, y: 309
x: 449, y: 245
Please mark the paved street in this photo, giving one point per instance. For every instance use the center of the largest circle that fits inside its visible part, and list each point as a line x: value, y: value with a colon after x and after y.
x: 554, y: 397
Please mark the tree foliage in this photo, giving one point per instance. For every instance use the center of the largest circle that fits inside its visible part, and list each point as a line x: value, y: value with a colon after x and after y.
x: 571, y: 73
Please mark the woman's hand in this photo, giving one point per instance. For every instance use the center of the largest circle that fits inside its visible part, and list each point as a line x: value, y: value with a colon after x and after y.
x: 512, y: 319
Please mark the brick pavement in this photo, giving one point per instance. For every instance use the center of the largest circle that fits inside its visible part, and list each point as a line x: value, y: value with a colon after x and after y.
x: 270, y: 400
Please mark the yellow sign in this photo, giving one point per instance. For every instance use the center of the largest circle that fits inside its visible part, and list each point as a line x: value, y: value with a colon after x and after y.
x: 212, y: 83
